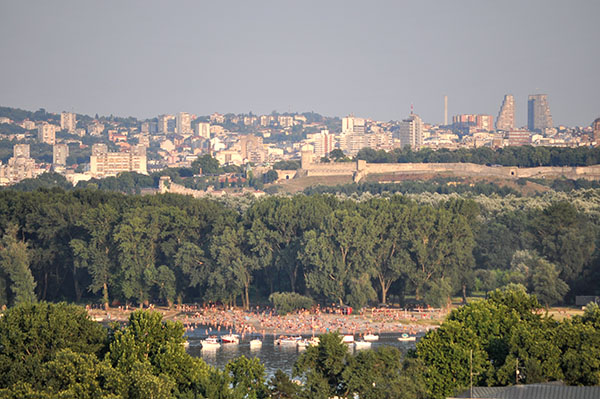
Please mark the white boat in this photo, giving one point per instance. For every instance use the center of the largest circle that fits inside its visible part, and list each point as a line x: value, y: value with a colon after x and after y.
x: 314, y: 341
x: 255, y: 343
x: 210, y: 342
x: 186, y: 344
x: 288, y: 341
x: 230, y: 339
x: 371, y: 337
x: 348, y: 339
x: 362, y: 344
x: 405, y: 337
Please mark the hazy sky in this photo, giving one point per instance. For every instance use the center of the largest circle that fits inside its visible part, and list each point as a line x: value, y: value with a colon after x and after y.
x: 370, y: 58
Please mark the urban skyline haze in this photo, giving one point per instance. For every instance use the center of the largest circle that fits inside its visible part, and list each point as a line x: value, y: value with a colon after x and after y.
x: 144, y: 58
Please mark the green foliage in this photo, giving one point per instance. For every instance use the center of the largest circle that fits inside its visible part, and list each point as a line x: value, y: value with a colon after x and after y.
x: 539, y: 275
x: 282, y: 387
x: 33, y: 334
x: 322, y: 367
x: 286, y: 302
x: 248, y: 377
x: 205, y: 164
x: 14, y: 263
x: 523, y: 156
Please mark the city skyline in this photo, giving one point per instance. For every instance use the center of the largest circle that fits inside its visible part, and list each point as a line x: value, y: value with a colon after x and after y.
x: 150, y: 58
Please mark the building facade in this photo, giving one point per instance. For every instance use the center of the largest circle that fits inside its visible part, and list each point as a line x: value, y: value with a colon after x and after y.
x: 183, y: 123
x: 596, y: 131
x: 538, y: 113
x: 60, y: 152
x: 68, y: 121
x: 202, y: 129
x: 104, y: 163
x: 352, y: 139
x: 47, y: 133
x: 518, y: 137
x: 506, y: 116
x: 410, y: 133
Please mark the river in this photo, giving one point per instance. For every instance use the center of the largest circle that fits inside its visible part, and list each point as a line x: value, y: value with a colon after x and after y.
x: 274, y: 357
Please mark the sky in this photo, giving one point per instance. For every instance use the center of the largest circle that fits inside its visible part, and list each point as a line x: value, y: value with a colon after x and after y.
x: 335, y: 57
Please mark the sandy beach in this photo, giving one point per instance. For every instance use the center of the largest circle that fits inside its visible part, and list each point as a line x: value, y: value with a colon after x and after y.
x: 308, y: 322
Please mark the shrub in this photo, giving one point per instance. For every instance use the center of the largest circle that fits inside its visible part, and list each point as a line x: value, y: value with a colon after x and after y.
x: 286, y: 302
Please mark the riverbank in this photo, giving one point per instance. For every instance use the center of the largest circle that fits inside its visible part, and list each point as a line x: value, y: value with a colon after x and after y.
x: 313, y: 322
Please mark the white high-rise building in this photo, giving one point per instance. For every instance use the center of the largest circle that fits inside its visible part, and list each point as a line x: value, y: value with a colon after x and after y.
x: 164, y: 122
x: 47, y: 133
x: 60, y: 152
x: 352, y: 138
x: 202, y: 129
x: 184, y: 123
x: 68, y: 121
x: 323, y: 143
x: 410, y: 132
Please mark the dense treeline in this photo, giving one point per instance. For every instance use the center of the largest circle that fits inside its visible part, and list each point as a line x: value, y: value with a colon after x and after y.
x: 503, y: 340
x: 523, y: 156
x: 146, y: 359
x: 441, y: 185
x: 92, y: 245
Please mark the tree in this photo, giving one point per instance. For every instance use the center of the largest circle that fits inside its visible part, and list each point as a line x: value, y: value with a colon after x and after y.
x: 539, y: 275
x: 137, y: 240
x: 391, y: 254
x: 152, y: 347
x: 14, y: 261
x: 565, y: 238
x: 440, y: 244
x: 96, y: 254
x: 248, y: 377
x: 322, y: 367
x: 339, y: 259
x: 33, y: 334
x: 231, y: 252
x: 205, y: 164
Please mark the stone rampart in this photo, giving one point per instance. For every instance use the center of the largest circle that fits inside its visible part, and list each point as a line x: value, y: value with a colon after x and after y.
x: 361, y: 169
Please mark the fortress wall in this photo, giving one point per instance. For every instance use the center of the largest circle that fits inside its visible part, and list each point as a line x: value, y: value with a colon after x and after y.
x: 332, y: 169
x: 463, y: 169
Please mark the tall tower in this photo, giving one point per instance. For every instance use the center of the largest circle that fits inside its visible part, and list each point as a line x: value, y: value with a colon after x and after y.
x: 538, y: 113
x: 445, y: 110
x: 184, y: 123
x: 68, y: 121
x: 410, y: 132
x: 596, y: 131
x: 506, y: 116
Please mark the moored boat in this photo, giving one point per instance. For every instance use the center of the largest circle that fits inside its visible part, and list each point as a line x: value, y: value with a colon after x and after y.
x: 371, y: 337
x: 288, y: 341
x: 255, y: 343
x: 406, y: 337
x: 348, y: 339
x: 210, y: 343
x: 230, y: 339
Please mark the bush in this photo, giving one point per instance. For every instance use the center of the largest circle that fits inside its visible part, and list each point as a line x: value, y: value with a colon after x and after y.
x: 286, y: 302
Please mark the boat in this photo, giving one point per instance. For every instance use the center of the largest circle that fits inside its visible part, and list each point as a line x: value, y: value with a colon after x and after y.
x: 405, y: 337
x: 371, y: 337
x: 230, y: 339
x: 186, y: 344
x: 361, y: 344
x: 348, y: 339
x: 288, y: 341
x: 314, y: 341
x: 210, y: 342
x: 255, y: 343
x: 302, y: 344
